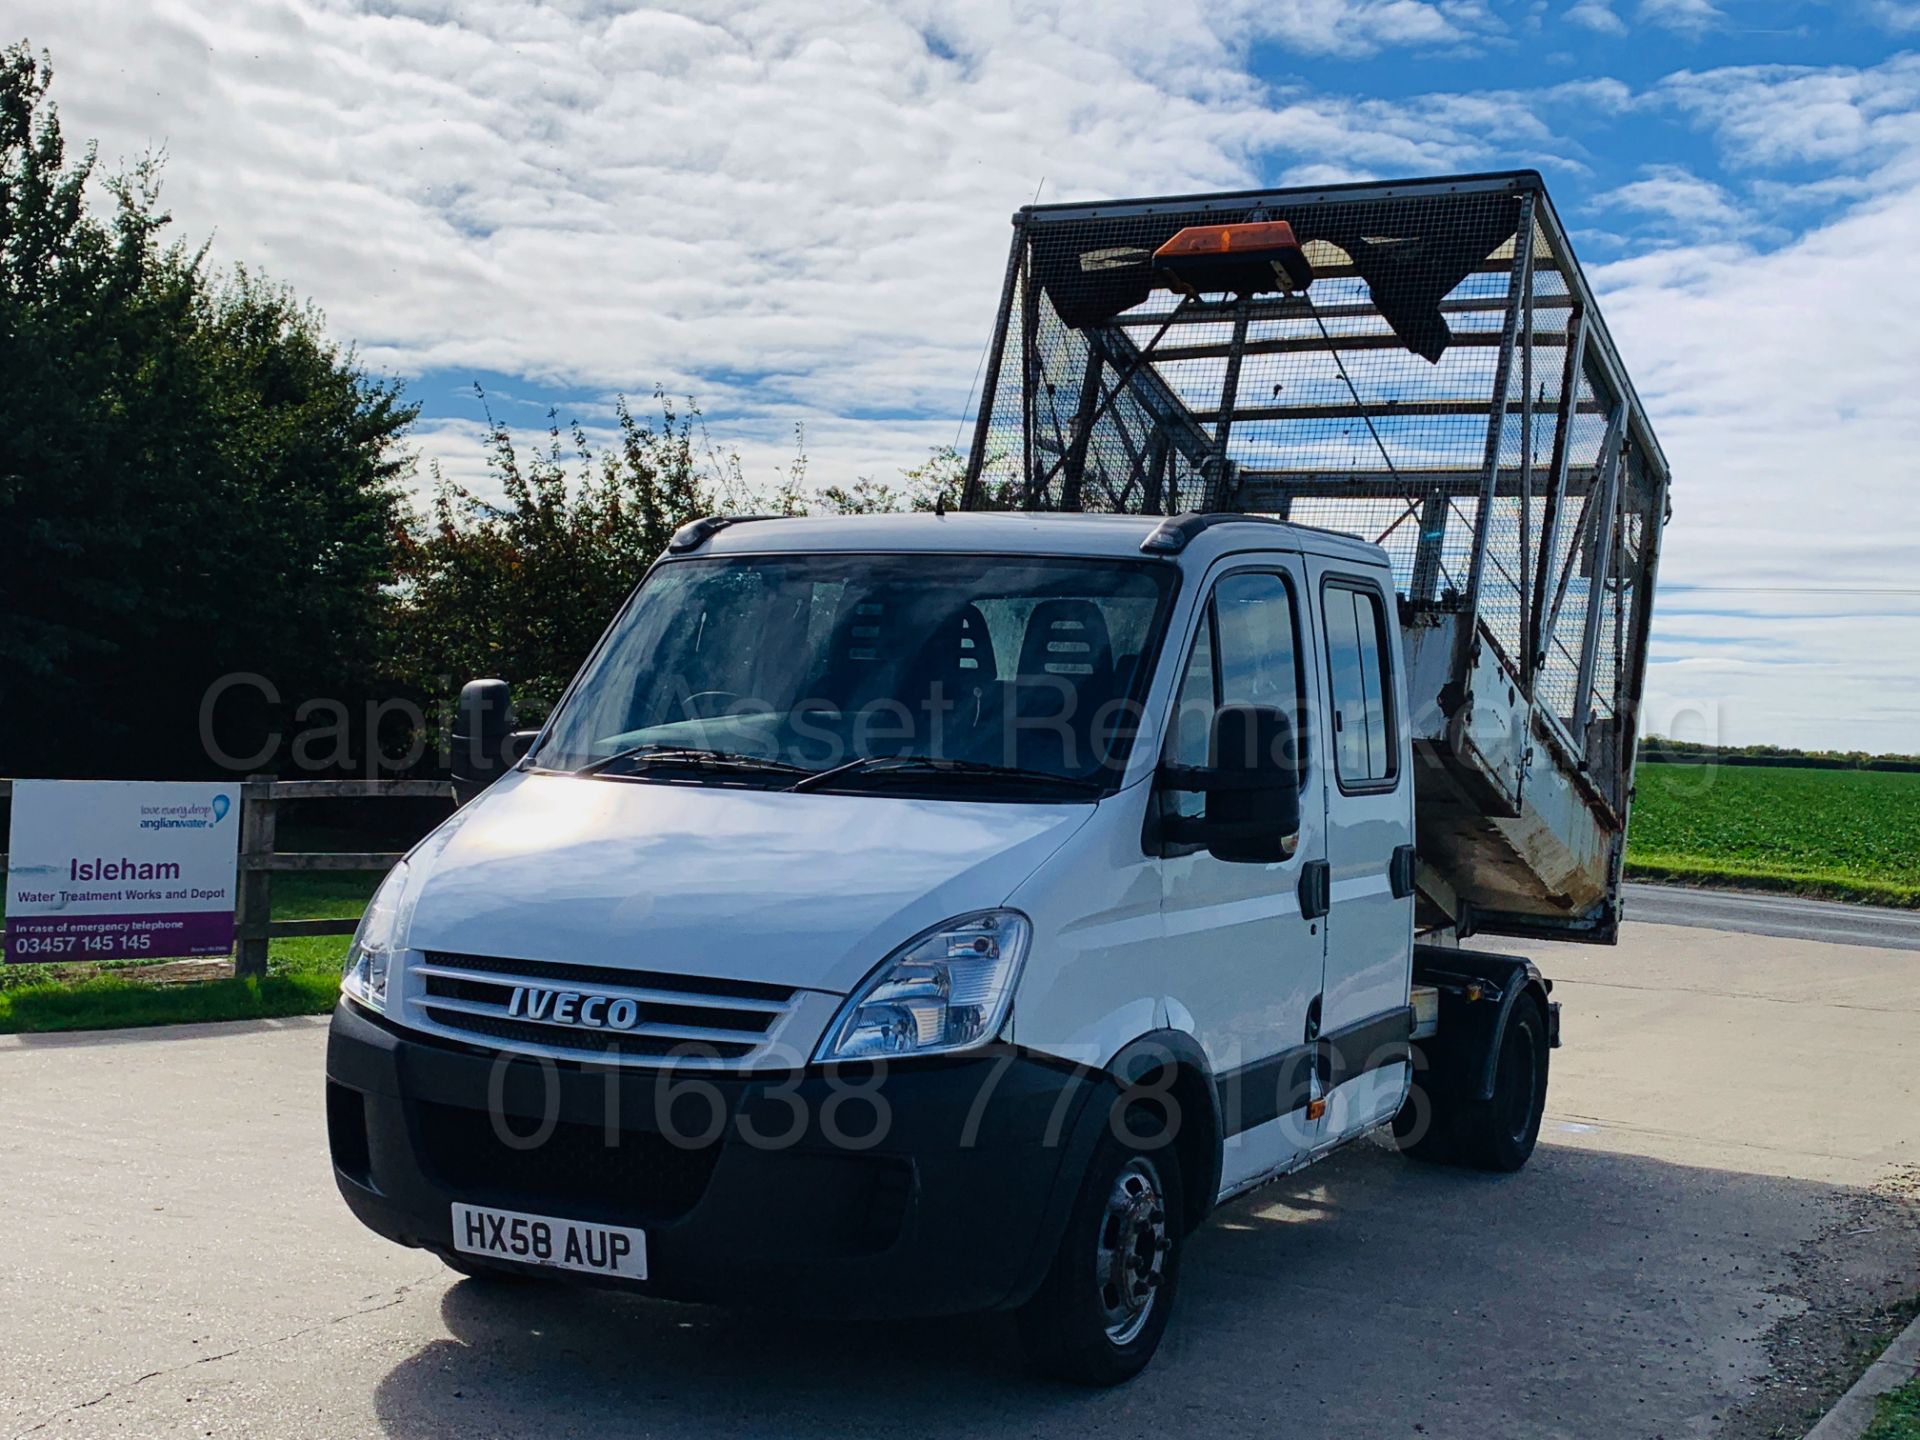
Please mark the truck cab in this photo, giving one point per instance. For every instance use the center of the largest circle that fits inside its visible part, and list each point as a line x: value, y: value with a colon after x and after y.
x: 927, y: 913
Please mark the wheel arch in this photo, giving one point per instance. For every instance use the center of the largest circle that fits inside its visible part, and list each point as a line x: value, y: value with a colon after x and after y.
x: 1479, y: 992
x: 1191, y: 1110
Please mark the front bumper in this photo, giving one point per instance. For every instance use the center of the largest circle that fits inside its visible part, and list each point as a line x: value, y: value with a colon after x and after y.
x: 931, y: 1187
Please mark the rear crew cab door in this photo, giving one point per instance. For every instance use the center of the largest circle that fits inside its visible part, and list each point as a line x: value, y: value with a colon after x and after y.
x: 1369, y: 799
x: 1242, y: 956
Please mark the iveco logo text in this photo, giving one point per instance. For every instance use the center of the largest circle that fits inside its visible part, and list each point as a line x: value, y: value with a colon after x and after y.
x: 570, y: 1007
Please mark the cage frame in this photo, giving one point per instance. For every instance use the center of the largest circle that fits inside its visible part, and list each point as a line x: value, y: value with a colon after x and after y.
x: 1573, y: 519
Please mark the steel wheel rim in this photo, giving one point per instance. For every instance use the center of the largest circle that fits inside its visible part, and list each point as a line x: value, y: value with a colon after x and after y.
x: 1130, y: 1252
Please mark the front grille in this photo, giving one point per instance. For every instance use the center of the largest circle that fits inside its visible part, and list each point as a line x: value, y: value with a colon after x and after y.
x: 606, y: 1044
x: 554, y: 972
x: 641, y: 1014
x: 634, y: 1177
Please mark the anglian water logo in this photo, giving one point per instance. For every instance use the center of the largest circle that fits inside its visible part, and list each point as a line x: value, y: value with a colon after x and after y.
x: 194, y: 816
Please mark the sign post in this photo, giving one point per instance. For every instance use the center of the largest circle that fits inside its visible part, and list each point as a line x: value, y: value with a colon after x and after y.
x: 119, y: 870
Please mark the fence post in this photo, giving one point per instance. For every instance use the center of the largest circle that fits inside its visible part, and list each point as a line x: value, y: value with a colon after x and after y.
x: 254, y: 913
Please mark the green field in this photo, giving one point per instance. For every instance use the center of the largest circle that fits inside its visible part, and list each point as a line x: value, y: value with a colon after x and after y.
x: 303, y: 976
x: 1844, y: 834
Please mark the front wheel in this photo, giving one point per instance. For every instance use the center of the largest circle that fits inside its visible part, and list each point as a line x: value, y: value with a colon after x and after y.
x: 1099, y: 1315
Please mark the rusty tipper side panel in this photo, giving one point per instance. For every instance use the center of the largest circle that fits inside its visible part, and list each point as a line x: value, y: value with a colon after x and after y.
x: 1443, y: 386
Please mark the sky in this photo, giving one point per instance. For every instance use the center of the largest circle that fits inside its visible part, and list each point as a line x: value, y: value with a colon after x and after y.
x: 798, y: 214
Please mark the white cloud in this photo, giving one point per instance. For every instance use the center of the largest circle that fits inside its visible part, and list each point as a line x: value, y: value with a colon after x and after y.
x: 1681, y: 201
x: 780, y: 208
x: 1597, y: 16
x: 1778, y: 115
x: 1899, y: 16
x: 1365, y: 27
x: 1780, y: 381
x: 1689, y: 17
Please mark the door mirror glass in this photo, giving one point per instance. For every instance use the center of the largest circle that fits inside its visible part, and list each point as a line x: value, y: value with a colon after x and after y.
x: 1253, y: 814
x: 1250, y: 785
x: 482, y: 737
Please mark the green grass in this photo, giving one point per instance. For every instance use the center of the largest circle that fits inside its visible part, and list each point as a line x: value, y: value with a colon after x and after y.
x: 303, y: 975
x: 1842, y: 834
x: 1896, y: 1415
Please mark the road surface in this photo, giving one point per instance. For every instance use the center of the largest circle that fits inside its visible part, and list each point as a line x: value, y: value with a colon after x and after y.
x: 1786, y: 916
x: 1715, y: 1200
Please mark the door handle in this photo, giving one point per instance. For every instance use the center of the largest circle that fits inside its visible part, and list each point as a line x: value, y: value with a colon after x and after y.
x: 1316, y: 889
x: 1400, y: 871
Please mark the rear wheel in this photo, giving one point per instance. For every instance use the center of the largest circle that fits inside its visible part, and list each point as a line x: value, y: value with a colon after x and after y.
x: 1497, y: 1133
x: 1099, y: 1315
x: 1424, y: 1130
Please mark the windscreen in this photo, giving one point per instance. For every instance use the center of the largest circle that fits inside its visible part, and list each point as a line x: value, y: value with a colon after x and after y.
x: 1007, y: 672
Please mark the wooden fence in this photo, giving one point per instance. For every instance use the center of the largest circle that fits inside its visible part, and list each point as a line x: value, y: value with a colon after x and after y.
x: 260, y: 859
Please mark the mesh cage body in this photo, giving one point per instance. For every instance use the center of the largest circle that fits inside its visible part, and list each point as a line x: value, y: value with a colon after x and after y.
x: 1444, y: 388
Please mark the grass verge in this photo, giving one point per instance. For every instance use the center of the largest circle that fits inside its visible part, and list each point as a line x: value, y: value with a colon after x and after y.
x: 1814, y: 884
x: 303, y: 975
x: 1896, y: 1414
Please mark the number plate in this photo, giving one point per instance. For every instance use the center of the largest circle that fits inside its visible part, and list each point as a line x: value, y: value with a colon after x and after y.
x: 548, y: 1240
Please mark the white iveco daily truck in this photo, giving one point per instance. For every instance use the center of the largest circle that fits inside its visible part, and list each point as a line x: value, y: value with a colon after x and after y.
x: 946, y: 911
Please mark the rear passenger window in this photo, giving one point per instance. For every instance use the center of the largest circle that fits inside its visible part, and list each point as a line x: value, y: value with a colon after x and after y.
x: 1364, y: 746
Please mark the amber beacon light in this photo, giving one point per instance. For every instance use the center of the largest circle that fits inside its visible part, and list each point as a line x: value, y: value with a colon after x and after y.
x: 1247, y: 259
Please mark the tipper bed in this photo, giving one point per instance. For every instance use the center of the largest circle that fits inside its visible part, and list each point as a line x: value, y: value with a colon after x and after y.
x: 1417, y: 363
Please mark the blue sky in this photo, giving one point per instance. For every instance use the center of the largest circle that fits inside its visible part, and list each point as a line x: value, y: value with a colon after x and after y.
x: 798, y: 213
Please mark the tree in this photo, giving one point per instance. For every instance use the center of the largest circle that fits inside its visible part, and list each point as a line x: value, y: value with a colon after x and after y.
x: 938, y: 480
x: 194, y: 481
x: 522, y: 590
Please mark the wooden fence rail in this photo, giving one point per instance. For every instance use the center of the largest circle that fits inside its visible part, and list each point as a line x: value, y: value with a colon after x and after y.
x: 260, y: 800
x: 260, y: 859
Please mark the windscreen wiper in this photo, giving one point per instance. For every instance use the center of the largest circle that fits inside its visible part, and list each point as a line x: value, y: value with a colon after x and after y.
x: 910, y: 765
x: 695, y: 758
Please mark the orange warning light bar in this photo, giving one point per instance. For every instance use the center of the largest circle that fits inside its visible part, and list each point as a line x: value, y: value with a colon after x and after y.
x: 1259, y: 255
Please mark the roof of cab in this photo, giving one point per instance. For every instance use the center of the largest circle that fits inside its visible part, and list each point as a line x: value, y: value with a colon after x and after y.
x: 1025, y: 533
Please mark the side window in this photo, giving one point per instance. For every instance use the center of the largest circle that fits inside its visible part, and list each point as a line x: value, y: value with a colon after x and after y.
x: 1258, y: 656
x: 1246, y: 652
x: 1364, y: 748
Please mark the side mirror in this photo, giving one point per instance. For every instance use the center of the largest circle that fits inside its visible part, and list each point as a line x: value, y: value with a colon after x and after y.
x: 1252, y: 785
x: 482, y: 737
x: 1256, y: 820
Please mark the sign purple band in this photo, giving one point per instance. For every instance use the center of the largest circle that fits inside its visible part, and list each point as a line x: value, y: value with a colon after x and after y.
x: 42, y: 938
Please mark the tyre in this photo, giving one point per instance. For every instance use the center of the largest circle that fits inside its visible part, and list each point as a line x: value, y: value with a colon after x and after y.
x: 1496, y: 1134
x: 1099, y: 1314
x: 1423, y: 1129
x: 1499, y: 1133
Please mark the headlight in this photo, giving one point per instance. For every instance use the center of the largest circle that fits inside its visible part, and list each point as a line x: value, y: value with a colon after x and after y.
x: 947, y: 989
x: 381, y: 933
